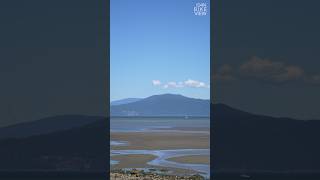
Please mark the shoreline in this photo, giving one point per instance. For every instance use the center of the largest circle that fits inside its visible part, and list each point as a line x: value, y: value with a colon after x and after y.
x: 136, y: 174
x: 155, y: 150
x: 153, y: 145
x: 162, y: 157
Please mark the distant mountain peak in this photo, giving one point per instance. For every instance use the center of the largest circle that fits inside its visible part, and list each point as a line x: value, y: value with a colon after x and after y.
x: 170, y: 95
x: 124, y: 101
x: 164, y: 105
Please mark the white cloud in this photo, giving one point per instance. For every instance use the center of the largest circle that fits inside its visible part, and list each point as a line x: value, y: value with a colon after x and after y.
x: 156, y: 82
x: 173, y: 84
x: 196, y: 84
x: 180, y: 84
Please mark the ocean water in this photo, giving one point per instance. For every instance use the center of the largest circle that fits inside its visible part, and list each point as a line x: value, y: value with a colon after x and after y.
x: 136, y: 124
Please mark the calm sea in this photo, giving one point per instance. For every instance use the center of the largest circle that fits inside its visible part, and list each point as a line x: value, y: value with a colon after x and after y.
x: 155, y: 123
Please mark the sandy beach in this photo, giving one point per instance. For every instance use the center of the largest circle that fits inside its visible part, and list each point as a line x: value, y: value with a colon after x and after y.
x: 166, y: 140
x: 194, y: 159
x: 163, y: 146
x: 132, y: 161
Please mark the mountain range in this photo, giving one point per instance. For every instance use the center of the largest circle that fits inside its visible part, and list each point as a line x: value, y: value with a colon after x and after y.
x: 124, y: 101
x: 162, y: 105
x: 241, y: 141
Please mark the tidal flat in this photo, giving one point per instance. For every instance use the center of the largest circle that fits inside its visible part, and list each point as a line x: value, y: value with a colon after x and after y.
x: 171, y: 146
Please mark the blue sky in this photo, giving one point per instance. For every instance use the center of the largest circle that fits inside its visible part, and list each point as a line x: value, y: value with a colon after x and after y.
x: 159, y: 40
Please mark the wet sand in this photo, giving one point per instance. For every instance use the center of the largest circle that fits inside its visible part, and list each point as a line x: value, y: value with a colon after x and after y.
x: 152, y: 144
x: 132, y: 161
x: 140, y: 161
x: 193, y: 159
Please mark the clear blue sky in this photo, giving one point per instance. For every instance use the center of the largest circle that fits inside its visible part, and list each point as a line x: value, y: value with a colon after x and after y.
x: 159, y: 40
